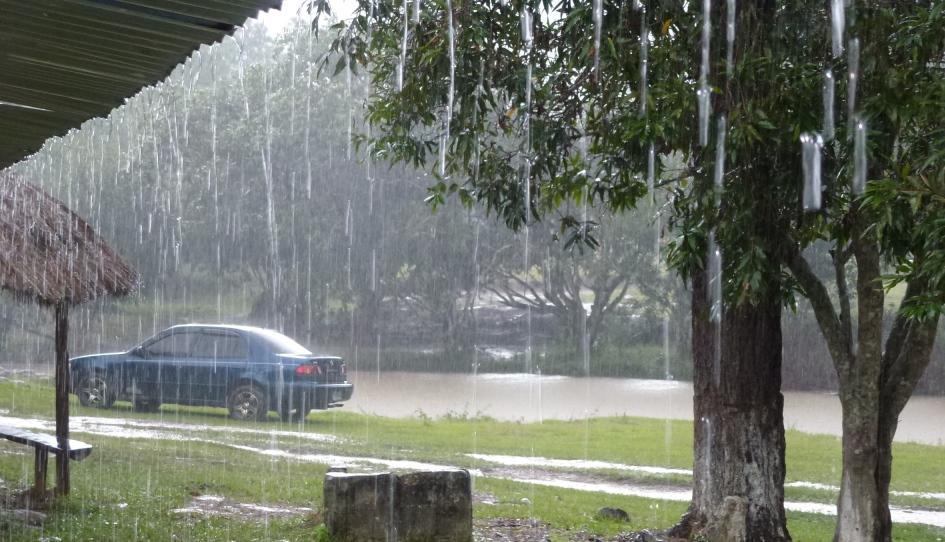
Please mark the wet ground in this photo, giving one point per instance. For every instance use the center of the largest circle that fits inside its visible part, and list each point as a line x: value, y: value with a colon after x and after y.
x: 579, y: 475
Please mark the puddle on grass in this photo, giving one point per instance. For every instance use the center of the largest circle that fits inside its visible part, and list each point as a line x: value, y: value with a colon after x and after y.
x: 124, y: 428
x: 518, y: 461
x: 835, y: 489
x: 217, y: 506
x: 899, y: 514
x: 348, y: 461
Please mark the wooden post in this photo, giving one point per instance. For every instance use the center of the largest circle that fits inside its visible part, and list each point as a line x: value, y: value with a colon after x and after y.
x: 62, y: 398
x: 39, y: 471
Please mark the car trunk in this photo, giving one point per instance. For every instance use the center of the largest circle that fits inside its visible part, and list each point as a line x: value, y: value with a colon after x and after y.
x: 323, y: 370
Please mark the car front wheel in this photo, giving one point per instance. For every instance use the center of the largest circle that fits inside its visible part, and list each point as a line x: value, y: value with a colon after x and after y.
x: 249, y: 402
x: 94, y: 391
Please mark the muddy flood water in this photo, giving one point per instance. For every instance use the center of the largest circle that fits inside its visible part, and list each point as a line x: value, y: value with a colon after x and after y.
x: 531, y: 398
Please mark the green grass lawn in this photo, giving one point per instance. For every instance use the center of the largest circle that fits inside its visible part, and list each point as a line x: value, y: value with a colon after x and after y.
x: 129, y: 487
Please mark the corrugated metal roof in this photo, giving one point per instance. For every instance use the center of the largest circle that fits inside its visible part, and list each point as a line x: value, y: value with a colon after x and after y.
x: 63, y: 62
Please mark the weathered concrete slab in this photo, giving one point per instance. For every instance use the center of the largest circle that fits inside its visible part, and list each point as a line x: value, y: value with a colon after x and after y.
x: 427, y: 506
x: 358, y: 506
x: 433, y: 506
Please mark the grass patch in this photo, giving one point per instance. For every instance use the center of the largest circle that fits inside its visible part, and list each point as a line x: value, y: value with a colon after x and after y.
x: 129, y: 488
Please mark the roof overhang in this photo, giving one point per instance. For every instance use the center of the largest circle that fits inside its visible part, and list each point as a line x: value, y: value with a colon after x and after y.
x: 63, y: 62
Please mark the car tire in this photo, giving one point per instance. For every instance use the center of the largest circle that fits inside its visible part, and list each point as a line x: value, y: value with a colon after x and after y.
x: 293, y: 415
x: 289, y: 415
x: 146, y: 405
x: 95, y: 390
x: 249, y: 403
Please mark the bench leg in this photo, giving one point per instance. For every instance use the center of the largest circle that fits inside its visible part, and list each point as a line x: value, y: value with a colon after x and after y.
x: 39, y: 470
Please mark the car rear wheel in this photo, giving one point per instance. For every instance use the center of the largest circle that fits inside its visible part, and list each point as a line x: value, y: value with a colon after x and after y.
x: 249, y: 402
x: 94, y: 391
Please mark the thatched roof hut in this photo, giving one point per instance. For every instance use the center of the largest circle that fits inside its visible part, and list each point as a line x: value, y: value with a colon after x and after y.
x: 50, y: 256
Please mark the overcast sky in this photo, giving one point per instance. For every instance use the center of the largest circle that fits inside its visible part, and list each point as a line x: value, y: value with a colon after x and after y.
x: 276, y: 20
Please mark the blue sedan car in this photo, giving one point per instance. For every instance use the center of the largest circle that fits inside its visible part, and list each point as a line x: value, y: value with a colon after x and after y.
x: 248, y: 370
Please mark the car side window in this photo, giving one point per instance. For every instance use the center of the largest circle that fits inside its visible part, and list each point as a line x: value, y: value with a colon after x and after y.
x: 220, y: 344
x: 175, y: 345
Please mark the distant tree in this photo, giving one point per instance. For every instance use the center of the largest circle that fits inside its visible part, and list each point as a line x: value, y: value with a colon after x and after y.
x: 558, y: 279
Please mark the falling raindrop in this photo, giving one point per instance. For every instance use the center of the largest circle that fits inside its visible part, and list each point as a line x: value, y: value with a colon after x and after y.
x: 452, y: 51
x: 853, y: 69
x: 598, y: 15
x: 811, y: 145
x: 837, y: 21
x: 730, y: 37
x: 526, y: 25
x: 859, y: 158
x: 644, y: 58
x: 651, y: 172
x: 403, y: 52
x: 666, y: 373
x: 442, y: 163
x: 704, y: 92
x: 715, y: 279
x: 829, y: 86
x: 308, y: 117
x: 720, y: 155
x: 350, y: 101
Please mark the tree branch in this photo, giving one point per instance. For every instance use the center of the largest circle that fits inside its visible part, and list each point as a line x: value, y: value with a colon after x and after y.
x: 908, y: 352
x: 838, y: 338
x: 840, y: 258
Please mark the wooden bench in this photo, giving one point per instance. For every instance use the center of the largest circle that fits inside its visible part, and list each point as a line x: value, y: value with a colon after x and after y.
x: 44, y: 445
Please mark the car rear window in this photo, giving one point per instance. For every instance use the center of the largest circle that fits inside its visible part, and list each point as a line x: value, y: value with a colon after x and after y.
x: 280, y: 344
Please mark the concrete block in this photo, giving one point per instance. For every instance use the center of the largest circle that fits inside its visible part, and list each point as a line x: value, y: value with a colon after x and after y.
x: 358, y: 506
x: 426, y: 506
x: 433, y: 506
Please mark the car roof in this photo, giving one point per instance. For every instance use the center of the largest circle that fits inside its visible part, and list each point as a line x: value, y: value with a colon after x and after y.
x: 253, y: 330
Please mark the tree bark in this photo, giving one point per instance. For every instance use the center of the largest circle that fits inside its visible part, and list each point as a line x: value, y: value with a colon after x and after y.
x: 739, y: 426
x: 859, y: 507
x: 875, y: 384
x: 62, y: 398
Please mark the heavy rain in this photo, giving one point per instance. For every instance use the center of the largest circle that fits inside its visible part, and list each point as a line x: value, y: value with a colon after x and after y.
x: 548, y: 350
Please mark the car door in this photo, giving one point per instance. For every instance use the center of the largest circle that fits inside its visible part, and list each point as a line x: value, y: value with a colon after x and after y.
x: 164, y: 355
x: 219, y: 356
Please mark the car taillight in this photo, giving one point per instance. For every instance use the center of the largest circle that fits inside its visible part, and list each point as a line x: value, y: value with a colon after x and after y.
x: 308, y: 370
x: 344, y: 369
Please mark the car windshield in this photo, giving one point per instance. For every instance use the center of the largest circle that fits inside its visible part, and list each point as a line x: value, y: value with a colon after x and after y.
x: 280, y: 344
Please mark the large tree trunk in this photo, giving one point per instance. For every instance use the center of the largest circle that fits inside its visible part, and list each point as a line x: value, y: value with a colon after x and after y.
x: 738, y: 470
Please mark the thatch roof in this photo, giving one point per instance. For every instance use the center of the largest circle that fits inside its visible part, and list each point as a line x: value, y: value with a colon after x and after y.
x: 49, y: 254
